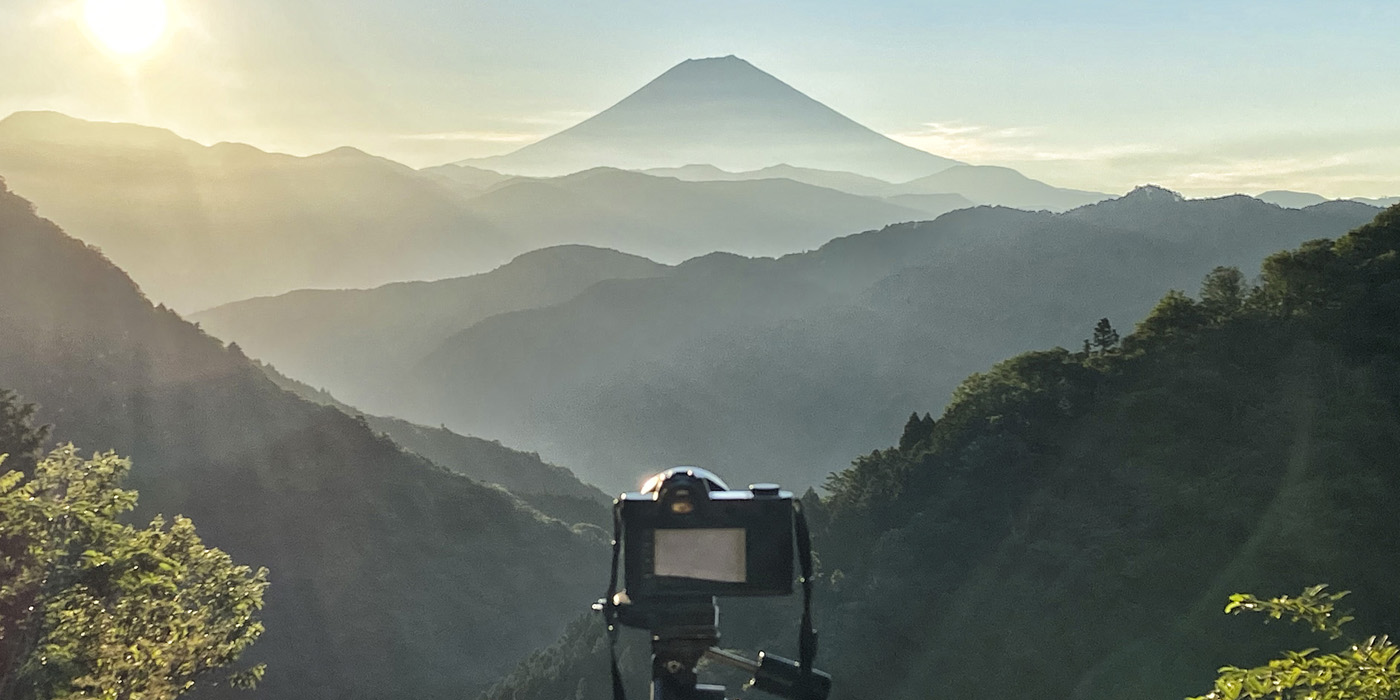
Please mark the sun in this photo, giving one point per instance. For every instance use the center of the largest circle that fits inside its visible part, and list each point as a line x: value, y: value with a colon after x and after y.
x: 126, y: 27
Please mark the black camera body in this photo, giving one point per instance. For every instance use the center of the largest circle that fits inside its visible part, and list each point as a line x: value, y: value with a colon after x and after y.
x: 686, y: 534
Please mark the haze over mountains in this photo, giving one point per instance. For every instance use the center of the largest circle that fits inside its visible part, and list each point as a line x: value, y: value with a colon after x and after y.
x: 782, y: 368
x: 670, y: 220
x: 340, y: 338
x: 954, y: 188
x: 197, y: 226
x: 391, y: 575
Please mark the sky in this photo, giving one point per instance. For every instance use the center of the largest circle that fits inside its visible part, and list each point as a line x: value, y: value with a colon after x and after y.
x: 1206, y: 98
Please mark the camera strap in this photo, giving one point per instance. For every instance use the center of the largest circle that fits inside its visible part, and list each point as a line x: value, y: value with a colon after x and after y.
x: 806, y: 636
x: 609, y: 606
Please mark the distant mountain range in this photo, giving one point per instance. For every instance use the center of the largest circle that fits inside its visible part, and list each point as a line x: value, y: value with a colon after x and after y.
x: 986, y: 184
x: 198, y: 226
x: 671, y: 220
x: 954, y: 188
x: 837, y: 180
x: 781, y: 369
x: 1298, y: 200
x: 391, y: 575
x: 725, y: 112
x: 344, y: 338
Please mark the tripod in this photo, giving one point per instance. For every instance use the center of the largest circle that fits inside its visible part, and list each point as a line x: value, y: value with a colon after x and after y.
x: 673, y: 661
x: 685, y: 630
x: 677, y: 605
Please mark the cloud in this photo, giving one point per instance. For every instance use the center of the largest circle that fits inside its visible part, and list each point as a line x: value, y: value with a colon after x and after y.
x: 979, y: 143
x: 559, y: 119
x: 477, y: 136
x: 518, y: 130
x: 1339, y: 164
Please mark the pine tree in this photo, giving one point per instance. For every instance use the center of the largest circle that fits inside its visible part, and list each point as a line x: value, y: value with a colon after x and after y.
x: 913, y: 432
x: 1105, y: 338
x: 1224, y: 292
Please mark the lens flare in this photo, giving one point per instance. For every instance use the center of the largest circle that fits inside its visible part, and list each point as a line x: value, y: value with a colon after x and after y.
x: 126, y: 27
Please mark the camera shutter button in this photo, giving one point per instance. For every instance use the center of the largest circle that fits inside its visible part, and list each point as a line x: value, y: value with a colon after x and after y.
x: 764, y: 489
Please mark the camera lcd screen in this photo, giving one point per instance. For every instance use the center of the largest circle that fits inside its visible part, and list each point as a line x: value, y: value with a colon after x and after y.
x: 710, y: 554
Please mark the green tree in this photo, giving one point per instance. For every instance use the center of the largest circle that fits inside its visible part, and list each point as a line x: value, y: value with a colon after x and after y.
x: 93, y: 608
x: 916, y: 430
x: 1105, y: 337
x: 1366, y: 669
x: 20, y: 440
x: 1224, y: 292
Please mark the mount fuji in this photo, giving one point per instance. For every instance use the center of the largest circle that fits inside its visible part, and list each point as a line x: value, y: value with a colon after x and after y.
x: 723, y: 112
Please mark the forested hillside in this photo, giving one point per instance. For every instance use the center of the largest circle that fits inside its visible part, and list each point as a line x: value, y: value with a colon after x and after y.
x: 344, y: 338
x: 781, y: 369
x: 389, y: 576
x: 551, y: 489
x: 1072, y: 523
x: 804, y: 360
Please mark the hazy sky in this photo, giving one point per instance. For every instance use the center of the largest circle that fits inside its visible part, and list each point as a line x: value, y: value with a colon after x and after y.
x: 1203, y: 97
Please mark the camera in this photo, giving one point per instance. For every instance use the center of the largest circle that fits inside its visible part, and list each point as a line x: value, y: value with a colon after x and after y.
x: 687, y: 538
x: 688, y: 534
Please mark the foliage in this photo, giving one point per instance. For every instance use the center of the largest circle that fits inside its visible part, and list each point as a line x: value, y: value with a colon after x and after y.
x: 577, y: 666
x: 1066, y: 503
x: 18, y: 438
x: 388, y: 569
x: 1032, y: 542
x: 1365, y: 670
x: 1224, y: 292
x: 1105, y: 337
x: 93, y: 608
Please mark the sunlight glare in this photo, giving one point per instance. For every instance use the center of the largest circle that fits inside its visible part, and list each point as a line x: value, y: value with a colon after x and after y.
x: 126, y: 27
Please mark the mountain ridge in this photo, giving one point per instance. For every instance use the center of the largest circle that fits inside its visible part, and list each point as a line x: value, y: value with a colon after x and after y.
x: 200, y: 226
x: 387, y: 571
x: 708, y: 363
x: 406, y: 318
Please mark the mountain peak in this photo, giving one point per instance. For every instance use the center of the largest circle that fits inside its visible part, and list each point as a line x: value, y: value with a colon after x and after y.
x: 343, y: 152
x: 729, y: 60
x: 1153, y: 193
x: 726, y: 112
x: 728, y: 66
x: 709, y: 78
